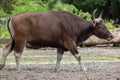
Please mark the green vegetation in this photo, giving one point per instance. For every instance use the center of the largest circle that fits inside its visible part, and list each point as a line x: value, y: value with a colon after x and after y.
x: 4, y: 32
x: 2, y: 13
x: 78, y: 7
x: 2, y: 45
x: 68, y: 58
x: 111, y: 57
x: 109, y: 25
x: 29, y: 6
x: 110, y: 7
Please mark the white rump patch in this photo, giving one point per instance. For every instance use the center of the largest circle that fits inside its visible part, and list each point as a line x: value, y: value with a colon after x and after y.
x: 11, y: 28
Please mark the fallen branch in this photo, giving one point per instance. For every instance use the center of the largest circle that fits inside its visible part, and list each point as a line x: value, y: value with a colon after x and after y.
x: 93, y: 40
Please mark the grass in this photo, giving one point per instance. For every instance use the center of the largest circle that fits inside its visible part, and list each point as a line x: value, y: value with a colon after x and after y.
x: 2, y: 45
x: 4, y: 32
x: 66, y: 59
x: 101, y: 57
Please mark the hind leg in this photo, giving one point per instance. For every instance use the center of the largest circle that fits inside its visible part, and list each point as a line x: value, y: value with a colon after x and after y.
x: 8, y: 48
x: 17, y: 59
x: 19, y: 46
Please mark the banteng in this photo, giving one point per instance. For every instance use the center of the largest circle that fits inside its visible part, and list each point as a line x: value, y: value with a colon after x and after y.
x: 58, y: 29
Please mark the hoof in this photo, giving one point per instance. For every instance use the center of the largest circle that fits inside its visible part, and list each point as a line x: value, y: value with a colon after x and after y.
x: 1, y: 66
x: 18, y: 69
x: 84, y: 69
x: 56, y: 70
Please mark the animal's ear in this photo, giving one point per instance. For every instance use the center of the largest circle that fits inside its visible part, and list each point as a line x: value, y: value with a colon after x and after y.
x: 94, y: 23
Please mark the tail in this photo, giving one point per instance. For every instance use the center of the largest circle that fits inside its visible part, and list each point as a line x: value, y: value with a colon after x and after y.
x: 8, y: 27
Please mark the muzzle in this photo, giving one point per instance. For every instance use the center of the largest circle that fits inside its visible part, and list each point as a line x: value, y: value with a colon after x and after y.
x: 110, y: 37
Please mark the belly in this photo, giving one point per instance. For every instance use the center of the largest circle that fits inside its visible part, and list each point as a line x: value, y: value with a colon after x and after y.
x: 44, y: 43
x: 40, y: 44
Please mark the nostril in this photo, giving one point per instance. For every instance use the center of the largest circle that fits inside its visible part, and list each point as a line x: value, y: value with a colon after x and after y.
x: 110, y: 36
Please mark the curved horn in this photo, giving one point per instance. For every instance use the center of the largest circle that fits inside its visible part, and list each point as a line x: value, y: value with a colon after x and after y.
x: 100, y: 16
x: 93, y: 14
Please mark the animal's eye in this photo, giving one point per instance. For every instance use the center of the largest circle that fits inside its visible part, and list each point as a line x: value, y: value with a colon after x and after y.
x: 101, y: 29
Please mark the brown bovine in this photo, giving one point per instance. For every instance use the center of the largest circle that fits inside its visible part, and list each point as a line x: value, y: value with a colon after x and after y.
x: 59, y: 29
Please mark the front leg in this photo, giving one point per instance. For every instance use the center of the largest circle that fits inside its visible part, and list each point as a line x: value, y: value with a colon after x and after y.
x: 71, y: 46
x: 78, y: 58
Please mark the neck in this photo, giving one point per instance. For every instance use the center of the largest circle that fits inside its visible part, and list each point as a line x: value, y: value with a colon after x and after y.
x: 86, y: 33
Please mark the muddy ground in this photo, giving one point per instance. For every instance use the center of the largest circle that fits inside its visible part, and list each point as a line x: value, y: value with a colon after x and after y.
x: 97, y: 70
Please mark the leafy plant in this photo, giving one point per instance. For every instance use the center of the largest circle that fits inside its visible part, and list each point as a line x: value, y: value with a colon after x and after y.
x: 70, y: 8
x: 3, y: 14
x: 61, y: 6
x: 109, y: 25
x: 4, y: 32
x: 29, y: 6
x: 85, y: 15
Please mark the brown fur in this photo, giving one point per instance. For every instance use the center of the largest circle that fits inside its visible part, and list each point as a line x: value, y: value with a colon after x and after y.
x: 59, y: 29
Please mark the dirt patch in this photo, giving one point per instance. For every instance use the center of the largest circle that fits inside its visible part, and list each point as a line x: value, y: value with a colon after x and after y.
x: 96, y: 70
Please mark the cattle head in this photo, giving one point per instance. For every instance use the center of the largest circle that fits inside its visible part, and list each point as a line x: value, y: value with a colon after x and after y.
x: 100, y: 30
